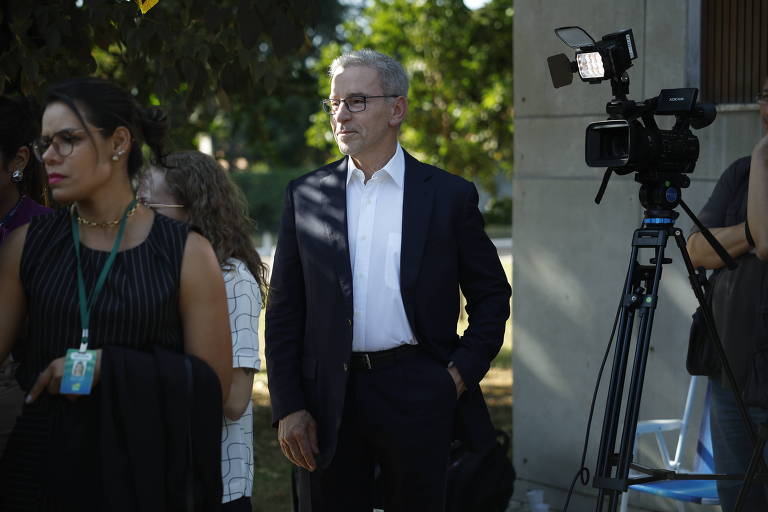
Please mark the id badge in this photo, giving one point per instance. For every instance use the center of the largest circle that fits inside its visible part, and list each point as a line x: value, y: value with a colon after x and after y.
x: 78, y: 372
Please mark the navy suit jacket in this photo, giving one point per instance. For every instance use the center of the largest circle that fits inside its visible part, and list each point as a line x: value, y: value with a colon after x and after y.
x: 309, y: 316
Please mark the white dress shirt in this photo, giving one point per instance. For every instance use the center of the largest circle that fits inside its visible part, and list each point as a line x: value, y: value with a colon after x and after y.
x: 375, y: 226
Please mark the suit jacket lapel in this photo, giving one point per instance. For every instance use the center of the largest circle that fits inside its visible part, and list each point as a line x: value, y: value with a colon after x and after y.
x: 334, y: 188
x: 418, y: 196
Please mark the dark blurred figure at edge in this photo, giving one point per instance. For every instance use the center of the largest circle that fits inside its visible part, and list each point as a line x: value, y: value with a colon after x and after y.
x: 23, y: 191
x: 739, y: 301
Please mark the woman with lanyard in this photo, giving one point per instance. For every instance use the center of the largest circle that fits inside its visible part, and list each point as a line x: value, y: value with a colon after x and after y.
x: 114, y: 286
x: 22, y: 190
x: 192, y: 187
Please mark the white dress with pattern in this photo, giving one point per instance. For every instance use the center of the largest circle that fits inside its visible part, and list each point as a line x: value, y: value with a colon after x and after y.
x: 244, y: 301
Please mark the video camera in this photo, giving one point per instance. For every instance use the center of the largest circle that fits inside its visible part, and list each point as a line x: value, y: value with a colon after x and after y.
x: 630, y: 140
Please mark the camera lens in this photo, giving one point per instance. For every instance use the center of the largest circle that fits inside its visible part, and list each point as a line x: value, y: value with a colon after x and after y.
x: 608, y: 143
x: 618, y: 144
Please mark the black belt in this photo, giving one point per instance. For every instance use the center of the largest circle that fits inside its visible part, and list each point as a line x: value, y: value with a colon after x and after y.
x: 382, y: 358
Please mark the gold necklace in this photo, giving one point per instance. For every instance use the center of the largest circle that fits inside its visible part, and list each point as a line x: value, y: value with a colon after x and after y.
x: 109, y: 224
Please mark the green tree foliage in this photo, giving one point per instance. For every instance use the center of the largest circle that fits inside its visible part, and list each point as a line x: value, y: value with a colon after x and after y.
x: 264, y: 192
x: 270, y: 129
x: 460, y: 63
x: 196, y: 57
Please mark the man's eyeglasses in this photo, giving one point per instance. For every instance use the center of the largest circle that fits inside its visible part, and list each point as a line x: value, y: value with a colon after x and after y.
x: 353, y: 103
x: 762, y: 97
x: 63, y: 143
x: 145, y: 202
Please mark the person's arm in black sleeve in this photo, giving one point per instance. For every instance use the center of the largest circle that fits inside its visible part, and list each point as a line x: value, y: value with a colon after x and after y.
x: 487, y: 291
x: 284, y: 319
x: 732, y: 238
x: 284, y: 334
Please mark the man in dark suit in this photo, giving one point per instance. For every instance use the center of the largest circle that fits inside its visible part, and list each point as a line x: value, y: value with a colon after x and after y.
x: 365, y: 367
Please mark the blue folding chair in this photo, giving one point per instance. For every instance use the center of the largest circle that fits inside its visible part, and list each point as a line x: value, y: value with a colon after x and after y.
x: 692, y: 491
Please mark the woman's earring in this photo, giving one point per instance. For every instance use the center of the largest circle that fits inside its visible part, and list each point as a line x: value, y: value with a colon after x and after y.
x: 17, y: 176
x: 117, y: 156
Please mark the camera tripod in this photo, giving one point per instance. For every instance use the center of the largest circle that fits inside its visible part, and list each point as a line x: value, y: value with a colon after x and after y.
x: 640, y: 297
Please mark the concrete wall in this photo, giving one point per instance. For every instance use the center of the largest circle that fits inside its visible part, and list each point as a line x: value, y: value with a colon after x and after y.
x: 571, y: 255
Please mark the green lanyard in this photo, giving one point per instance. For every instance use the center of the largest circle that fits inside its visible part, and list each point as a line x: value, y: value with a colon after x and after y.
x: 86, y: 304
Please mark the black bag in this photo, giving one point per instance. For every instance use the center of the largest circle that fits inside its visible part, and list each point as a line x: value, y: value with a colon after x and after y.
x: 702, y: 358
x: 482, y: 481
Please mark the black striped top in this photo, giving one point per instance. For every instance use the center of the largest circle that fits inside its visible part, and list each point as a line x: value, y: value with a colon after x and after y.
x: 138, y: 307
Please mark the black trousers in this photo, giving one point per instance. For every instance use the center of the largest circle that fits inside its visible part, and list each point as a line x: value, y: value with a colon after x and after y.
x: 393, y: 442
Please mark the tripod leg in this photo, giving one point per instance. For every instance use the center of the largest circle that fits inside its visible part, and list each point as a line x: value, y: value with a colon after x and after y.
x: 616, y: 385
x: 613, y: 406
x: 623, y: 458
x: 650, y: 277
x: 641, y: 292
x: 647, y: 309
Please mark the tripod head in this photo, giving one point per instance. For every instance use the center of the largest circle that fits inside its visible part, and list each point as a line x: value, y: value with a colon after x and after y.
x: 661, y: 190
x: 660, y: 193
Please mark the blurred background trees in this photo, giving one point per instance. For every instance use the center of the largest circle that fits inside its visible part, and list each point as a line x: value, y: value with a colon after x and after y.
x: 250, y: 75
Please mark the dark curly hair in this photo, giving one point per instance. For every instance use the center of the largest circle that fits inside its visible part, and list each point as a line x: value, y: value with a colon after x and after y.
x: 216, y: 207
x: 19, y: 125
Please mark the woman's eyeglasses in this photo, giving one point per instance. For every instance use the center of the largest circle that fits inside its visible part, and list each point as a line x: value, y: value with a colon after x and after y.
x: 63, y: 143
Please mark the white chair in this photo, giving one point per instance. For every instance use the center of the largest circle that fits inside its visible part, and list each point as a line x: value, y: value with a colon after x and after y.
x: 691, y: 491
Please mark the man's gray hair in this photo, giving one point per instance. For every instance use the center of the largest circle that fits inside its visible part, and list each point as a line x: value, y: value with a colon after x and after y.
x: 391, y: 73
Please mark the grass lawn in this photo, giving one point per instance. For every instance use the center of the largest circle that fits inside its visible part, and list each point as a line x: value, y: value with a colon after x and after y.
x: 272, y: 472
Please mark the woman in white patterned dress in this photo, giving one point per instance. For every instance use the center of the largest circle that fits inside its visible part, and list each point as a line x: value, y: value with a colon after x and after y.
x: 193, y: 187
